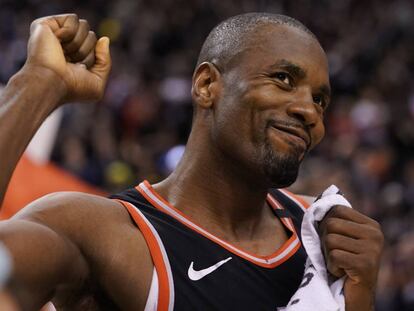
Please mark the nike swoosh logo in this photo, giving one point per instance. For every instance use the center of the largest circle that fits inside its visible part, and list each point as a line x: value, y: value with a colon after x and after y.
x: 195, y: 275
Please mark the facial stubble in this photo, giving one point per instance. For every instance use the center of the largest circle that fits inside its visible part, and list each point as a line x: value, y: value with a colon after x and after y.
x: 281, y: 169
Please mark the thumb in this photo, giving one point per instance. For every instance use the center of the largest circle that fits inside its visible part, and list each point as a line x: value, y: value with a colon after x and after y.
x: 102, y: 64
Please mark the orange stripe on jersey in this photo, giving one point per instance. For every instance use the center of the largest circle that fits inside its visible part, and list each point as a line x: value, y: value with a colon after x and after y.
x: 154, y: 193
x: 286, y: 220
x: 164, y: 280
x: 279, y: 256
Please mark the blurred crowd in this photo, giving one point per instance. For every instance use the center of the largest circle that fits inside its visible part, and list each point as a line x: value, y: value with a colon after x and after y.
x: 139, y: 129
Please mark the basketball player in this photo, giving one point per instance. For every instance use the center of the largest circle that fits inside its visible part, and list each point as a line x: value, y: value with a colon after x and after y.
x: 211, y: 236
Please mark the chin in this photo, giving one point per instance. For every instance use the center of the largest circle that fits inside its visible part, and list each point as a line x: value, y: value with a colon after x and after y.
x: 278, y: 181
x: 281, y: 170
x: 283, y: 174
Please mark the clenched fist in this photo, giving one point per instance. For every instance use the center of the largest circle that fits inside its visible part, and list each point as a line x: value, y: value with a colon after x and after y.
x: 64, y: 46
x: 352, y: 245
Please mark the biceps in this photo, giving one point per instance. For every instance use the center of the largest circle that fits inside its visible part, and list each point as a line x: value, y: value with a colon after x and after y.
x: 42, y: 260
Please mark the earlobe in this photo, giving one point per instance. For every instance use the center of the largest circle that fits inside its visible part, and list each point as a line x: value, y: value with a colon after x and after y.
x: 205, y: 88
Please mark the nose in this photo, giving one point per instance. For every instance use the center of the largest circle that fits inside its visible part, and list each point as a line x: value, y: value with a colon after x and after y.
x: 303, y: 109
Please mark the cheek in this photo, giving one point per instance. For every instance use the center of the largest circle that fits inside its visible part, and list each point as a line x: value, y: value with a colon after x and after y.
x: 233, y: 130
x: 240, y: 118
x: 267, y: 96
x: 235, y: 115
x: 234, y: 125
x: 227, y: 122
x: 317, y: 134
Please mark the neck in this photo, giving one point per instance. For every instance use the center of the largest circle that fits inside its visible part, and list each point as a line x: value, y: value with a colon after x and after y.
x: 212, y: 191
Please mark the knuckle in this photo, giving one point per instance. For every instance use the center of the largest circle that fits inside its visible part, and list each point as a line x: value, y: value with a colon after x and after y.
x: 32, y: 26
x: 84, y: 24
x: 373, y: 249
x: 342, y: 211
x: 68, y: 19
x: 86, y: 48
x: 376, y: 224
x: 337, y: 209
x: 330, y: 241
x: 72, y: 16
x: 36, y: 22
x: 331, y: 225
x: 72, y: 22
x: 377, y: 234
x: 333, y: 256
x: 380, y: 235
x: 70, y: 47
x: 92, y: 35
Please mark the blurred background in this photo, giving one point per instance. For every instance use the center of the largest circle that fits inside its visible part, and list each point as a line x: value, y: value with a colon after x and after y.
x: 138, y: 131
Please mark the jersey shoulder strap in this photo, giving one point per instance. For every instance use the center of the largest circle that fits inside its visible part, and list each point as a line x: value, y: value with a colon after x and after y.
x: 133, y: 196
x: 293, y: 206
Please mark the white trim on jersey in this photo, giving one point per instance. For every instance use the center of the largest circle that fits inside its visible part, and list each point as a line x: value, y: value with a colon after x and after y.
x: 152, y: 299
x: 164, y: 255
x: 189, y: 223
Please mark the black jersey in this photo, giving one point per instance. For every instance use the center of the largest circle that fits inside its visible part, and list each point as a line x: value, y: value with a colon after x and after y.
x: 196, y: 270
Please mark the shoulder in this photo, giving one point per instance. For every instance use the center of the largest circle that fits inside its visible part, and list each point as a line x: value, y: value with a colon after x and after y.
x: 63, y: 206
x: 75, y: 215
x: 96, y: 225
x: 103, y: 235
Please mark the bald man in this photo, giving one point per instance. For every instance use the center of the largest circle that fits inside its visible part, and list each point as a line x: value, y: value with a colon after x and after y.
x: 219, y: 233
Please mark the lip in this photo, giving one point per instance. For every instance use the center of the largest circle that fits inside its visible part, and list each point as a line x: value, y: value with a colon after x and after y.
x: 295, y: 131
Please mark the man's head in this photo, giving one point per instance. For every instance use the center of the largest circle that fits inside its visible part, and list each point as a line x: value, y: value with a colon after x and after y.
x: 260, y: 89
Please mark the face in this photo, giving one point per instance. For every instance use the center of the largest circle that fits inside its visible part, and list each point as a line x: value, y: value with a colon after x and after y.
x: 270, y: 112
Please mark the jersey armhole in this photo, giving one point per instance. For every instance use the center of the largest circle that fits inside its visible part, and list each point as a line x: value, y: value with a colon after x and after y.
x: 158, y: 254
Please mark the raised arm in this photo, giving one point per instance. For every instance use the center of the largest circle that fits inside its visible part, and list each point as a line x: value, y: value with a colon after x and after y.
x: 65, y: 63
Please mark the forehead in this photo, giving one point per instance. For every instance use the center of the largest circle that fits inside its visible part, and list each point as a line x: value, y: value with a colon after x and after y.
x: 267, y: 44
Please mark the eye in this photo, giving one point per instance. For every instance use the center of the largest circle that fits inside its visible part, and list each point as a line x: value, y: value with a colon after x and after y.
x: 319, y: 100
x: 284, y: 77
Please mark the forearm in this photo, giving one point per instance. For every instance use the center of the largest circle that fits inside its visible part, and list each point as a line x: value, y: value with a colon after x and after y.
x: 29, y: 97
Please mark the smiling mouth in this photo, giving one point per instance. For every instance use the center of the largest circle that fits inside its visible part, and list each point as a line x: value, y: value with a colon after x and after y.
x: 295, y: 131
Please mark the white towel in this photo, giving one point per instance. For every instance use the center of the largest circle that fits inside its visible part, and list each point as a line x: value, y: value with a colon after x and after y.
x: 318, y: 290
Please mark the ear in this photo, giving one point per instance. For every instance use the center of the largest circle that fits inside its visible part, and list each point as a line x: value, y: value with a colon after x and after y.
x: 206, y: 85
